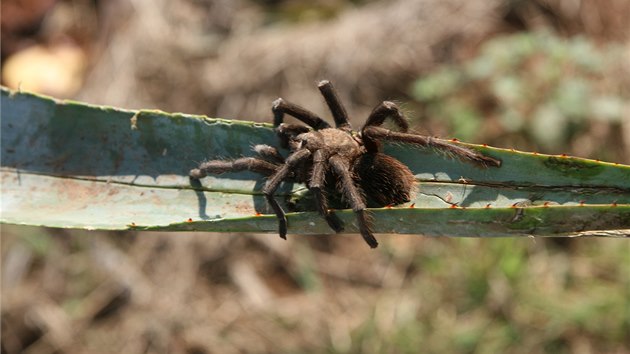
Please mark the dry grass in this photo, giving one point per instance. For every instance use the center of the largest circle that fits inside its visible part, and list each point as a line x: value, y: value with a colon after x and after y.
x: 95, y: 292
x: 371, y: 53
x: 208, y: 293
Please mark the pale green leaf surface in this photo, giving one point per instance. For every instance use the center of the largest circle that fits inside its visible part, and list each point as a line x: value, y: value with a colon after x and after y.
x: 68, y: 164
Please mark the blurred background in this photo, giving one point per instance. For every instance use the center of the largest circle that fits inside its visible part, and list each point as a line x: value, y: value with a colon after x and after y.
x: 551, y: 76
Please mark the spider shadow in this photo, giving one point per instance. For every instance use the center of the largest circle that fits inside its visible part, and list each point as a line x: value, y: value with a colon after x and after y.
x: 202, y: 201
x: 290, y: 198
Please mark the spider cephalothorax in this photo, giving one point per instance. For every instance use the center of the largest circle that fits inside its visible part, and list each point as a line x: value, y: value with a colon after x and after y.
x: 321, y: 154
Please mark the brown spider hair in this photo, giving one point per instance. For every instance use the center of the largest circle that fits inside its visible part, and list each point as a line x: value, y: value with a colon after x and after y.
x: 320, y: 153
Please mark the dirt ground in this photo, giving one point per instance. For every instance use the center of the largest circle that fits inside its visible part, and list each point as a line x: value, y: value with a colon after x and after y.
x: 71, y: 291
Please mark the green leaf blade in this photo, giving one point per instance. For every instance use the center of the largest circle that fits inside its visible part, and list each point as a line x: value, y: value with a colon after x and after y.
x: 68, y: 164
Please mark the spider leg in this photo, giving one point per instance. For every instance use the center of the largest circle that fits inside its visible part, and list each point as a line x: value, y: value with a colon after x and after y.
x: 334, y: 103
x: 273, y: 183
x: 355, y: 199
x: 316, y: 185
x: 377, y: 117
x: 377, y: 133
x: 280, y: 107
x: 383, y: 111
x: 245, y: 163
x: 269, y: 153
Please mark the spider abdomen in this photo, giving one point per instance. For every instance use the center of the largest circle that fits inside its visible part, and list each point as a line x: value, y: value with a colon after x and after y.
x: 383, y: 179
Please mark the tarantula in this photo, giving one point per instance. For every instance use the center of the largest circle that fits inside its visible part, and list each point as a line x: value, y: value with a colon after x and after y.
x: 321, y: 154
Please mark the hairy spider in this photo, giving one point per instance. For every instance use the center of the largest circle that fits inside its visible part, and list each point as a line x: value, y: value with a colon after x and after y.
x: 321, y: 154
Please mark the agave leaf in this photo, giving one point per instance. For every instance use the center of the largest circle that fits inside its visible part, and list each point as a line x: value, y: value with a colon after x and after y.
x: 73, y: 165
